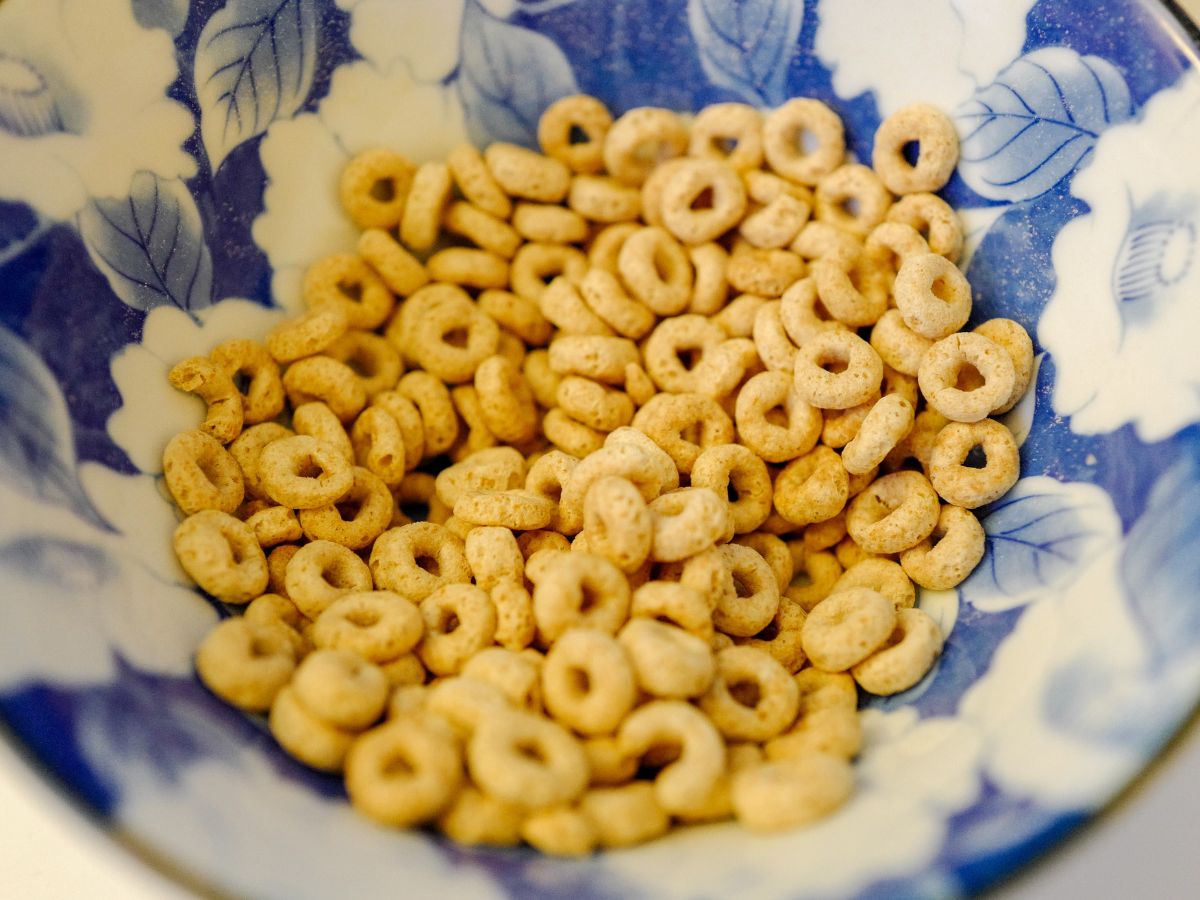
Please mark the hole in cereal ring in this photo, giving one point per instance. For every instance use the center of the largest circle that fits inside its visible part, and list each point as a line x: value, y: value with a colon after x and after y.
x: 578, y: 136
x: 777, y: 416
x: 703, y: 200
x: 976, y: 458
x: 911, y: 152
x: 689, y: 356
x: 352, y: 289
x: 725, y: 145
x: 415, y: 510
x: 430, y: 564
x: 309, y: 468
x: 591, y: 598
x: 941, y: 289
x: 397, y: 766
x: 450, y: 624
x: 834, y: 365
x: 348, y: 508
x: 260, y: 646
x: 455, y: 337
x: 743, y: 589
x: 383, y: 190
x: 968, y: 378
x: 821, y: 312
x: 731, y: 492
x: 532, y: 751
x: 242, y: 380
x: 580, y: 682
x: 746, y: 693
x: 894, y: 638
x: 658, y: 757
x: 769, y: 633
x: 851, y: 206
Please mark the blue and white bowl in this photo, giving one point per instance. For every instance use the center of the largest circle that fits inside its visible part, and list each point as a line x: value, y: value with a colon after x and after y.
x: 167, y: 170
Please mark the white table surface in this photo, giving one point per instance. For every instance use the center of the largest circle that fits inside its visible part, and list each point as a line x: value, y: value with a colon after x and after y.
x: 1145, y: 846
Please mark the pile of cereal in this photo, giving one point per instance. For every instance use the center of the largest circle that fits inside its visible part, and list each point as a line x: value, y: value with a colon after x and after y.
x: 680, y: 409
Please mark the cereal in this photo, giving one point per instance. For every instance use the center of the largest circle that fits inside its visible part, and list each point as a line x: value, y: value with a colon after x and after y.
x: 958, y: 549
x: 340, y: 688
x: 560, y: 120
x: 683, y: 217
x: 427, y: 197
x: 416, y: 560
x: 307, y: 737
x: 837, y: 370
x: 680, y: 786
x: 933, y: 296
x: 221, y: 554
x: 908, y: 654
x: 374, y: 187
x: 579, y: 590
x: 399, y: 270
x: 669, y: 663
x: 324, y: 378
x: 405, y: 771
x: 853, y: 198
x: 765, y: 400
x: 201, y: 474
x: 788, y: 793
x: 526, y: 760
x: 245, y: 664
x: 847, y: 627
x: 752, y: 697
x: 320, y: 572
x: 894, y: 513
x: 347, y: 282
x: 588, y: 682
x: 931, y: 217
x: 304, y: 473
x: 262, y: 398
x: 937, y: 149
x: 656, y: 270
x: 784, y: 147
x: 213, y: 384
x: 943, y: 366
x: 526, y: 174
x: 963, y: 485
x: 379, y: 626
x: 460, y: 620
x: 471, y: 174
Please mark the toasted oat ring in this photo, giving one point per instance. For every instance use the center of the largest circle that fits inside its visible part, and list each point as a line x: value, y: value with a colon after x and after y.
x: 309, y: 333
x: 379, y: 445
x: 514, y: 674
x: 324, y: 378
x: 894, y: 513
x: 771, y: 340
x: 483, y: 229
x: 246, y: 449
x: 812, y: 488
x: 527, y: 760
x: 788, y: 793
x: 754, y: 600
x: 669, y: 662
x: 400, y: 270
x: 505, y: 399
x: 823, y: 240
x: 374, y: 186
x: 213, y: 384
x: 960, y: 543
x: 657, y: 270
x: 820, y: 571
x: 379, y: 626
x: 320, y: 572
x: 405, y: 771
x: 245, y: 664
x: 479, y: 436
x: 415, y: 560
x: 905, y: 658
x: 776, y: 224
x: 640, y: 140
x: 562, y: 305
x: 691, y: 336
x: 262, y: 399
x: 881, y: 575
x: 493, y: 554
x: 307, y: 737
x: 517, y: 509
x: 600, y: 198
x: 304, y: 473
x: 619, y: 526
x: 842, y: 425
x: 932, y: 218
x: 593, y: 404
x: 937, y: 149
x: 345, y: 280
x: 518, y: 315
x: 625, y: 815
x: 515, y: 624
x: 559, y: 831
x: 861, y: 370
x: 549, y: 223
x: 933, y: 296
x: 274, y: 525
x: 773, y: 420
x: 221, y: 554
x: 449, y: 312
x: 675, y: 602
x: 764, y: 272
x: 605, y: 246
x: 782, y: 636
x: 732, y: 465
x: 471, y: 174
x: 721, y: 124
x: 898, y: 345
x: 709, y: 286
x: 847, y: 627
x: 1016, y: 343
x: 774, y: 551
x: 753, y: 697
x: 833, y: 732
x: 689, y: 180
x: 888, y: 422
x: 566, y: 116
x: 784, y: 148
x: 372, y: 358
x: 672, y: 420
x: 460, y: 620
x: 341, y: 688
x: 593, y: 356
x: 854, y: 293
x: 201, y: 474
x: 527, y: 174
x: 432, y: 399
x: 682, y: 786
x: 427, y: 197
x: 468, y: 266
x: 474, y: 818
x: 944, y: 363
x: 687, y: 521
x: 536, y: 265
x: 587, y: 681
x: 963, y: 485
x: 371, y: 504
x: 579, y: 589
x: 853, y: 198
x: 570, y: 435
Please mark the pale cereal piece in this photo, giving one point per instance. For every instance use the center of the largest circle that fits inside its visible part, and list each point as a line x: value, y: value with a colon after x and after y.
x: 771, y: 341
x: 823, y: 535
x: 600, y: 198
x: 493, y: 469
x: 676, y: 349
x: 278, y: 612
x: 731, y: 466
x: 773, y: 420
x: 536, y: 265
x: 483, y: 229
x: 882, y: 576
x: 687, y: 521
x: 625, y: 815
x: 407, y: 700
x: 379, y: 445
x: 937, y: 149
x: 515, y: 623
x: 416, y: 560
x: 669, y: 662
x: 593, y: 356
x: 517, y: 509
x: 652, y: 189
x: 918, y: 446
x: 964, y: 485
x: 824, y: 240
x: 527, y: 760
x: 752, y: 604
x: 518, y: 315
x: 306, y: 334
x: 379, y: 626
x: 369, y: 505
x: 656, y: 270
x: 324, y: 378
x: 475, y: 181
x: 404, y: 772
x: 944, y: 365
x: 593, y: 404
x: 802, y: 313
x: 762, y: 187
x: 341, y: 689
x: 400, y: 270
x: 505, y: 400
x: 837, y: 370
x: 710, y: 288
x: 789, y: 793
x: 562, y: 304
x: 346, y: 281
x: 570, y: 435
x: 691, y: 179
x: 888, y: 422
x: 460, y: 528
x: 201, y: 474
x: 448, y: 335
x: 430, y: 192
x: 246, y: 449
x: 587, y: 681
x: 784, y: 147
x: 850, y: 554
x: 816, y: 576
x: 566, y: 117
x: 559, y: 831
x: 908, y: 655
x: 667, y: 418
x: 213, y: 384
x: 660, y: 468
x: 854, y: 291
x: 1015, y: 341
x: 579, y: 590
x: 782, y: 636
x: 474, y: 818
x: 510, y: 672
x: 737, y: 317
x: 890, y: 243
x: 316, y: 743
x: 374, y: 186
x: 774, y: 551
x: 372, y: 357
x: 493, y: 554
x: 512, y: 349
x: 852, y: 198
x: 639, y: 387
x: 894, y: 513
x: 945, y: 558
x: 275, y: 525
x: 933, y: 218
x: 752, y: 697
x: 607, y: 299
x: 468, y: 266
x: 682, y: 604
x: 463, y: 702
x: 775, y: 225
x: 731, y: 132
x: 320, y: 572
x: 847, y: 627
x: 549, y: 223
x: 245, y: 664
x: 432, y: 399
x: 277, y: 562
x: 543, y: 381
x: 302, y: 473
x: 842, y: 425
x: 640, y: 140
x: 605, y: 245
x: 812, y: 487
x: 460, y: 620
x: 221, y: 554
x: 681, y: 786
x: 262, y: 399
x: 898, y: 346
x: 526, y: 174
x: 608, y: 765
x: 410, y: 446
x: 619, y: 525
x: 933, y: 296
x: 766, y: 272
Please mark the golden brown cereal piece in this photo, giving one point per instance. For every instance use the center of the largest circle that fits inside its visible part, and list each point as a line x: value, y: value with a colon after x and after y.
x: 605, y: 246
x: 894, y: 513
x: 944, y: 365
x: 340, y: 688
x: 898, y: 345
x: 593, y: 356
x: 682, y: 604
x: 515, y: 623
x: 379, y: 626
x: 450, y: 336
x: 593, y: 404
x: 474, y: 818
x: 817, y: 573
x: 726, y: 468
x: 880, y: 575
x: 346, y: 281
x: 931, y: 217
x: 374, y: 187
x: 505, y: 400
x: 213, y: 384
x: 578, y: 590
x: 320, y: 572
x: 823, y: 240
x: 904, y: 660
x: 722, y: 124
x: 776, y: 224
x: 771, y: 340
x: 963, y: 485
x: 562, y: 119
x: 303, y: 473
x: 307, y: 334
x: 656, y: 270
x: 559, y: 831
x: 432, y: 400
x: 526, y: 174
x: 888, y: 422
x: 562, y: 304
x: 823, y: 535
x: 275, y: 525
x: 752, y: 697
x: 854, y: 291
x: 416, y: 560
x: 842, y: 425
x: 474, y: 179
x: 1017, y: 344
x: 201, y: 474
x: 569, y: 435
x: 687, y: 521
x: 587, y: 681
x: 549, y: 223
x: 527, y: 760
x: 847, y: 627
x: 937, y: 149
x: 493, y: 469
x: 372, y: 358
x: 640, y: 140
x: 469, y: 267
x: 221, y: 554
x: 277, y: 561
x: 764, y: 272
x: 949, y: 554
x: 694, y: 224
x: 518, y: 509
x: 324, y: 378
x: 536, y: 265
x: 494, y: 556
x: 773, y: 420
x: 853, y: 198
x: 812, y: 488
x: 669, y: 662
x: 670, y: 420
x: 793, y: 792
x: 784, y: 130
x: 850, y: 554
x: 316, y: 420
x: 262, y: 399
x: 774, y: 551
x: 754, y: 599
x: 246, y: 450
x: 709, y: 285
x: 603, y: 199
x: 357, y: 518
x: 379, y: 445
x: 514, y: 674
x: 619, y: 525
x: 460, y: 620
x: 625, y: 815
x: 933, y: 296
x: 638, y: 385
x: 483, y: 229
x: 400, y: 270
x: 245, y: 664
x: 430, y: 191
x: 681, y: 786
x: 837, y: 370
x: 405, y: 771
x: 801, y: 312
x: 689, y: 354
x: 277, y: 612
x: 834, y: 731
x: 463, y: 702
x: 518, y: 315
x: 782, y: 637
x: 305, y: 736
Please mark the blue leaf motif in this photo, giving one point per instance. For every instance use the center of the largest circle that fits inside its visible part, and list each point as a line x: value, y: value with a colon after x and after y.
x: 170, y: 15
x: 1038, y: 121
x: 745, y: 45
x: 1039, y: 537
x: 37, y: 449
x: 507, y: 76
x: 254, y: 64
x: 150, y: 245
